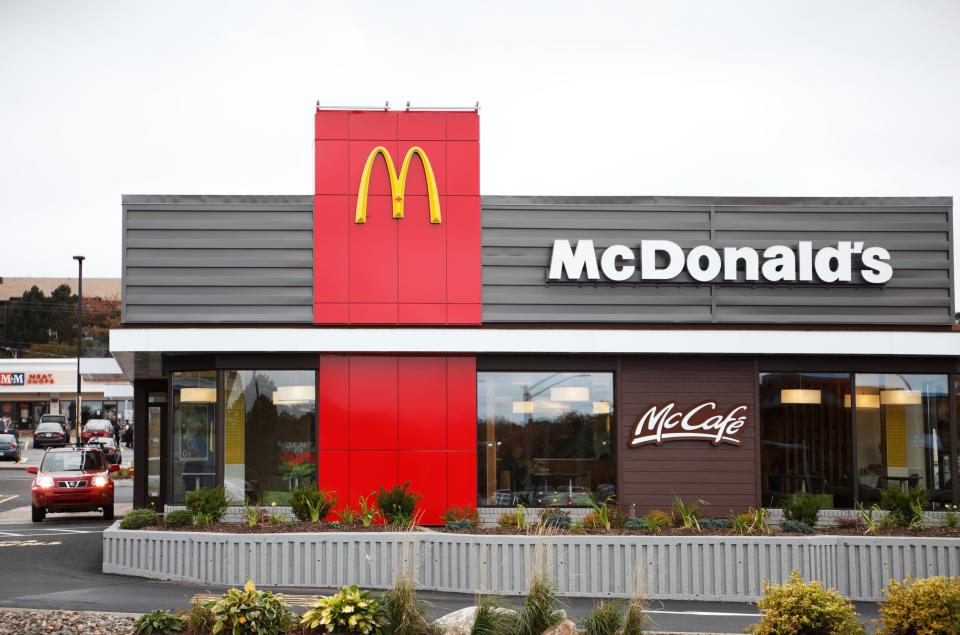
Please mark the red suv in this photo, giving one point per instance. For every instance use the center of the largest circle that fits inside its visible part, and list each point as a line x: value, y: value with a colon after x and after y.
x: 72, y: 480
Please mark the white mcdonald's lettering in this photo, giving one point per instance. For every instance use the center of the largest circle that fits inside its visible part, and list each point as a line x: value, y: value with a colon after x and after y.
x: 657, y: 424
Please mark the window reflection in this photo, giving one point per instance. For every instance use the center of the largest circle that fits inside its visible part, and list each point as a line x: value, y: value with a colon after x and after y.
x: 269, y: 444
x: 903, y: 435
x: 805, y: 437
x: 193, y: 439
x: 544, y: 438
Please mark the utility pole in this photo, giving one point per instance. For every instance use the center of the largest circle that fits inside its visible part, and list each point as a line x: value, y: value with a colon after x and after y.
x: 78, y: 409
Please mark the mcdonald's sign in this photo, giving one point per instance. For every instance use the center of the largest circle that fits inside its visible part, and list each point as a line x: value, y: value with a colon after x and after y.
x: 398, y: 186
x: 392, y: 247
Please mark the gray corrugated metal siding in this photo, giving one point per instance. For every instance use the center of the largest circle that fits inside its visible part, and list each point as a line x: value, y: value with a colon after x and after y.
x: 217, y: 259
x: 518, y: 233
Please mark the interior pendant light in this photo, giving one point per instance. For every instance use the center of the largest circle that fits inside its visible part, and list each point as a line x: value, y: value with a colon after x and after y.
x: 198, y: 395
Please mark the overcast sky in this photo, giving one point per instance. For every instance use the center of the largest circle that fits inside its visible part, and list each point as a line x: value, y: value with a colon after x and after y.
x: 99, y: 99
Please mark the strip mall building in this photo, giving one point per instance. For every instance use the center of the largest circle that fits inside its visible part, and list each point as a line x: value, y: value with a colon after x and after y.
x: 492, y: 350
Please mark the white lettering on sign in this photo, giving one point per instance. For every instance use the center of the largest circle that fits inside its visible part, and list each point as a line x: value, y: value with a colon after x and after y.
x: 778, y: 263
x: 11, y: 379
x: 702, y: 422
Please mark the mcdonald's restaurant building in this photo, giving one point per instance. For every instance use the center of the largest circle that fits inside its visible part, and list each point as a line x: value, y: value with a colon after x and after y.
x: 492, y: 350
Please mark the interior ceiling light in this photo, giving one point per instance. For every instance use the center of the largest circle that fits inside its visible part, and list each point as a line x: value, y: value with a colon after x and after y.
x: 522, y: 407
x: 800, y: 396
x: 601, y: 407
x: 570, y: 393
x: 864, y: 400
x: 293, y: 395
x: 198, y: 395
x: 900, y: 397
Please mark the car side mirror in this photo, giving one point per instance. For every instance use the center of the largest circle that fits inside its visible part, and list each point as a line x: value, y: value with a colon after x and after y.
x: 114, y: 468
x: 31, y: 470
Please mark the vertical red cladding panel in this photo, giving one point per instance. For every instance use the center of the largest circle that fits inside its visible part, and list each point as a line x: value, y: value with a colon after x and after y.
x: 373, y: 402
x: 409, y: 270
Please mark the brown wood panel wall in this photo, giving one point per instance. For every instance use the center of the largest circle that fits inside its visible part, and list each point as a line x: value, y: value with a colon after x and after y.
x: 649, y: 476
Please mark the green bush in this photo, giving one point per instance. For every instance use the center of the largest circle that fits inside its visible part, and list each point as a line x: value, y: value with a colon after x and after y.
x: 930, y: 606
x: 310, y: 504
x: 460, y: 525
x: 405, y: 615
x: 199, y: 619
x: 350, y: 610
x: 512, y: 520
x: 714, y: 523
x: 541, y: 610
x: 159, y: 621
x: 636, y: 524
x: 605, y: 619
x: 251, y: 611
x: 208, y: 505
x: 397, y: 504
x: 901, y: 504
x: 140, y: 517
x: 796, y: 526
x: 493, y: 617
x: 805, y: 608
x: 804, y: 507
x: 556, y: 521
x: 178, y: 518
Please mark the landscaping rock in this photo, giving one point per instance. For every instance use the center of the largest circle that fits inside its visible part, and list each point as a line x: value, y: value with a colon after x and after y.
x: 566, y: 627
x: 460, y: 622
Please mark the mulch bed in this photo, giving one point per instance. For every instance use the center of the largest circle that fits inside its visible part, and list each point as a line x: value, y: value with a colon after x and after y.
x: 324, y: 527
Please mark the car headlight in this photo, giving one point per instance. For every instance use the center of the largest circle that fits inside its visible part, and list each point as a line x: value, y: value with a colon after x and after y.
x: 44, y: 481
x: 99, y: 481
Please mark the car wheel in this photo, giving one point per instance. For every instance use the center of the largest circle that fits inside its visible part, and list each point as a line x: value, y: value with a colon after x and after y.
x: 108, y: 512
x: 38, y: 514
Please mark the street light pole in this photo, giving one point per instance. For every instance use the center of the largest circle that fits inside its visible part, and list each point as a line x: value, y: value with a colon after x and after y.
x: 78, y: 409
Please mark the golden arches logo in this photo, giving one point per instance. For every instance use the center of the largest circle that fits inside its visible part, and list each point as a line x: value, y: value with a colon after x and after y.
x: 398, y: 186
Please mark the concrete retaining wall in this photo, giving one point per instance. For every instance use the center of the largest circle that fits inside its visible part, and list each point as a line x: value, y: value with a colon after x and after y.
x: 666, y: 567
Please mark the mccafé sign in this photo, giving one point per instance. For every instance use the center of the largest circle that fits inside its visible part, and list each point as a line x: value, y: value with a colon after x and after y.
x: 702, y: 422
x: 777, y: 263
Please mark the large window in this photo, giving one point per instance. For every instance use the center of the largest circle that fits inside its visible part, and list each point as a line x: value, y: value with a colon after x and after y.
x: 545, y: 439
x: 194, y: 432
x: 805, y: 437
x: 269, y: 423
x: 903, y: 435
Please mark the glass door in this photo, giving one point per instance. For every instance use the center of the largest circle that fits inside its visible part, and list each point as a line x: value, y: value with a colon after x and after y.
x: 156, y: 418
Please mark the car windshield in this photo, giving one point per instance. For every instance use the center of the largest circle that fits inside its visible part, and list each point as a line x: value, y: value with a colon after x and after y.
x: 104, y: 441
x: 98, y: 425
x: 72, y: 461
x: 49, y: 427
x: 7, y: 438
x: 56, y: 418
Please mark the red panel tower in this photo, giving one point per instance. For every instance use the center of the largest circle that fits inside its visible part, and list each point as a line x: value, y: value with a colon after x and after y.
x: 397, y: 242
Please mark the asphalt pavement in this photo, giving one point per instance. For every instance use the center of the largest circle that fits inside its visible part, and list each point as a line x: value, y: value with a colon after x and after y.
x: 57, y: 565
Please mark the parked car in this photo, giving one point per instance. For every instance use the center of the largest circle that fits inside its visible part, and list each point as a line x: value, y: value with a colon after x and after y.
x: 7, y: 426
x: 109, y: 447
x: 61, y: 419
x: 9, y: 447
x: 72, y: 480
x: 50, y: 434
x: 559, y: 497
x: 97, y: 428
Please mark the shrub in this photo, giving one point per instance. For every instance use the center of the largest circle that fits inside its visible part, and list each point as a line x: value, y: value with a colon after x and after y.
x: 902, y: 504
x: 512, y: 519
x: 929, y: 605
x: 404, y: 614
x: 348, y: 517
x: 605, y: 619
x: 686, y: 516
x: 350, y: 610
x: 199, y: 619
x: 635, y: 616
x: 140, y: 517
x: 207, y: 504
x: 460, y: 525
x: 796, y: 526
x: 805, y: 608
x: 310, y: 504
x: 850, y: 523
x: 750, y: 521
x: 804, y: 507
x: 251, y: 611
x: 397, y: 504
x: 659, y: 519
x: 636, y: 524
x: 556, y: 521
x: 369, y: 513
x: 714, y: 523
x: 612, y: 518
x: 158, y: 621
x: 178, y: 518
x: 553, y: 511
x: 541, y: 610
x: 122, y: 474
x: 950, y: 518
x: 493, y: 618
x: 467, y: 512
